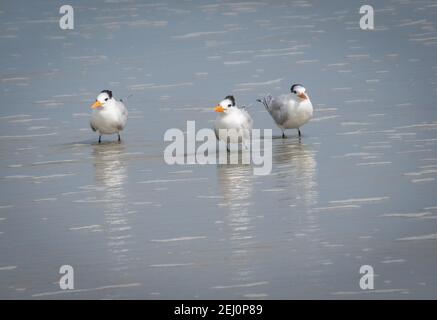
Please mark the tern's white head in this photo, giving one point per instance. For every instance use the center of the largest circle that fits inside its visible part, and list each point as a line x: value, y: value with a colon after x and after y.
x: 225, y: 104
x: 102, y: 99
x: 299, y: 90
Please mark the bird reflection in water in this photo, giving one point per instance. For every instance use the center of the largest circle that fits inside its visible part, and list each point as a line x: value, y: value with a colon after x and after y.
x: 110, y: 176
x: 295, y: 168
x: 236, y: 184
x: 295, y: 173
x: 294, y: 185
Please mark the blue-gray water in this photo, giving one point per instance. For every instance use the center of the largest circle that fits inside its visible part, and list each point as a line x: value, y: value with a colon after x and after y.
x: 360, y: 189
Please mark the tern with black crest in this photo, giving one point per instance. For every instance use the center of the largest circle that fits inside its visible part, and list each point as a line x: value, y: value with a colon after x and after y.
x: 290, y: 111
x: 109, y: 115
x: 233, y: 124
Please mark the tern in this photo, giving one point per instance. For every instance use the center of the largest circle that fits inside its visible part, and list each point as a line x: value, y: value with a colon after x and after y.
x: 233, y: 124
x: 109, y: 115
x: 290, y: 111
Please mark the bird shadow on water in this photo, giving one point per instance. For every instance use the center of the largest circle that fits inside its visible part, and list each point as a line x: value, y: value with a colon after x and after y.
x: 95, y: 142
x: 289, y: 137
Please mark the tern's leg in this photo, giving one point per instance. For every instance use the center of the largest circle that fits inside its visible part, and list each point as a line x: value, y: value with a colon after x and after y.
x: 298, y: 132
x: 283, y: 135
x: 119, y: 138
x: 100, y: 139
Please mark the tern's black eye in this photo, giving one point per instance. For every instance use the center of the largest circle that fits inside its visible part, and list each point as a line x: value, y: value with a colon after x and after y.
x: 229, y: 105
x: 106, y: 99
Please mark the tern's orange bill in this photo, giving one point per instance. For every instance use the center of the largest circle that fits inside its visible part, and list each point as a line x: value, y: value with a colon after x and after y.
x: 303, y: 96
x: 219, y: 108
x: 96, y: 104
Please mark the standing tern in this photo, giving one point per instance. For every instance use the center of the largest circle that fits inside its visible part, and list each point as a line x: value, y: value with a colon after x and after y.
x: 233, y: 124
x: 109, y: 115
x: 290, y: 111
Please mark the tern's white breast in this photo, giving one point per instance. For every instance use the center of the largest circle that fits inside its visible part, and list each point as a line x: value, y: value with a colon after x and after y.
x: 110, y: 119
x: 234, y: 124
x: 299, y: 113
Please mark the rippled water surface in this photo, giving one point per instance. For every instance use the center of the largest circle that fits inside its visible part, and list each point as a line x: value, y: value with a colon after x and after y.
x: 359, y: 189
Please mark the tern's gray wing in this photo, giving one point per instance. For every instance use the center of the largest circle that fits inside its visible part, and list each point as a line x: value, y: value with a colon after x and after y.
x: 277, y: 107
x: 92, y: 126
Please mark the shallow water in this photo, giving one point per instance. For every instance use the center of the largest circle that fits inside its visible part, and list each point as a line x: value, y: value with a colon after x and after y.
x: 359, y: 189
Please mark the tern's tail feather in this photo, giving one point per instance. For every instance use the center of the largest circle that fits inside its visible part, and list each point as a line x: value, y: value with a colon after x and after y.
x: 266, y: 101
